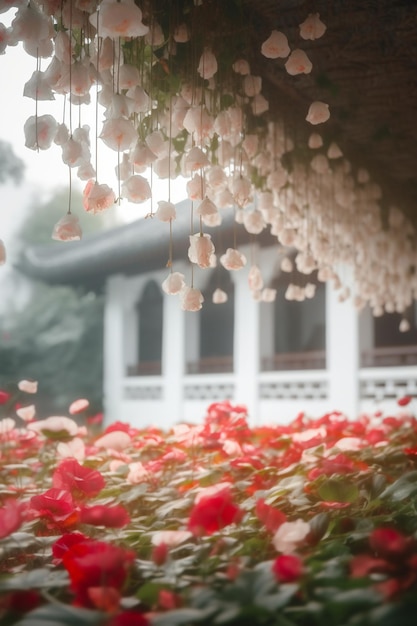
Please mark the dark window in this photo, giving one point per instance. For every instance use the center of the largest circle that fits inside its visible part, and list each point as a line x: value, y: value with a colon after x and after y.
x: 150, y: 315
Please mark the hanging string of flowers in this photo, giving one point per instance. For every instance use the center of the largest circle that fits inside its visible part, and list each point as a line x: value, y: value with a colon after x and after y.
x: 178, y: 90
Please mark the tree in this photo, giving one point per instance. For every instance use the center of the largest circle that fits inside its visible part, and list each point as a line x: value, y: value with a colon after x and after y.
x: 57, y: 338
x: 10, y: 165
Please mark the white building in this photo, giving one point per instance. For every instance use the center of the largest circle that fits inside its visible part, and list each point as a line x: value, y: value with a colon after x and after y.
x: 163, y: 365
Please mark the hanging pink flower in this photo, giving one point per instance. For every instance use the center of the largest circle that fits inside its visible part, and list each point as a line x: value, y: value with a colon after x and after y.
x: 298, y: 63
x: 312, y: 28
x: 72, y: 153
x: 241, y: 66
x: 219, y: 296
x: 119, y: 134
x: 196, y: 188
x: 259, y: 104
x: 37, y: 87
x: 241, y: 189
x: 39, y: 132
x: 165, y: 167
x: 318, y: 113
x: 181, y: 34
x: 31, y: 24
x: 254, y: 222
x: 252, y: 85
x: 255, y: 279
x: 166, y: 211
x: 206, y: 208
x: 201, y: 250
x: 119, y: 19
x: 276, y: 46
x: 315, y: 141
x: 268, y: 294
x: 136, y: 189
x: 142, y: 156
x: 138, y: 99
x: 191, y: 299
x: 173, y: 283
x: 207, y: 66
x: 233, y: 259
x: 97, y: 198
x: 67, y: 229
x: 334, y: 152
x: 195, y: 159
x: 198, y: 122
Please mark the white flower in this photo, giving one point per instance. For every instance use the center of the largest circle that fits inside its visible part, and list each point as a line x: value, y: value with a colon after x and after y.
x: 315, y: 141
x: 318, y: 113
x: 118, y: 134
x: 276, y: 46
x: 119, y: 19
x: 268, y: 294
x: 28, y: 386
x: 173, y: 283
x: 40, y: 132
x: 170, y: 538
x: 67, y: 229
x: 233, y: 259
x: 404, y: 326
x: 219, y: 296
x: 207, y: 66
x: 254, y: 222
x: 166, y: 211
x: 298, y: 63
x: 286, y: 265
x: 334, y: 152
x: 181, y: 34
x: 255, y: 279
x: 206, y: 207
x: 195, y: 159
x: 191, y: 299
x: 26, y: 413
x: 136, y: 189
x: 37, y: 87
x: 252, y: 85
x: 312, y: 27
x: 241, y: 66
x: 290, y: 535
x: 201, y: 250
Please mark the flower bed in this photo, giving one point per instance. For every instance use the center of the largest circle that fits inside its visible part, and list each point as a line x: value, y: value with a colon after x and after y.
x: 311, y: 523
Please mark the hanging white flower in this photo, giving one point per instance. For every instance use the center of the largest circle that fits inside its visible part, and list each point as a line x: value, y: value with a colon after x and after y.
x: 241, y: 66
x: 173, y: 283
x: 201, y: 250
x: 268, y: 294
x: 139, y: 100
x: 276, y: 46
x: 254, y: 222
x: 206, y: 208
x: 166, y: 211
x: 315, y: 141
x: 255, y: 279
x: 241, y: 189
x: 195, y: 159
x: 318, y: 113
x: 181, y: 34
x: 334, y: 152
x: 219, y: 296
x: 207, y: 66
x: 298, y: 63
x: 67, y: 229
x: 191, y: 299
x: 233, y: 259
x: 97, y: 197
x: 37, y: 87
x: 136, y: 189
x: 40, y: 132
x: 310, y: 290
x: 119, y: 19
x: 196, y: 188
x: 259, y: 104
x: 252, y: 85
x: 119, y: 134
x: 155, y: 36
x: 404, y: 326
x: 312, y: 28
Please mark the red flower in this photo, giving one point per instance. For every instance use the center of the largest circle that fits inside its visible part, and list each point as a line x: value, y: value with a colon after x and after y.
x: 11, y: 517
x: 160, y: 554
x: 404, y: 400
x: 389, y: 543
x: 211, y: 513
x: 64, y: 543
x: 129, y: 618
x: 4, y: 396
x: 56, y: 504
x: 287, y: 568
x: 96, y: 564
x: 271, y: 517
x: 103, y: 515
x: 82, y: 482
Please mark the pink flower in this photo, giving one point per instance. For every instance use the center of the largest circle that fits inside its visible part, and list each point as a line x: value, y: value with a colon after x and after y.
x: 119, y: 19
x: 55, y: 427
x: 206, y: 208
x: 233, y: 259
x: 114, y: 516
x: 312, y: 27
x: 241, y: 66
x: 39, y: 132
x: 255, y: 279
x: 170, y: 538
x: 173, y: 283
x: 136, y: 189
x: 219, y: 296
x: 28, y: 386
x: 11, y: 517
x: 26, y: 413
x: 67, y: 229
x: 181, y: 34
x: 254, y: 222
x: 97, y: 197
x: 207, y: 66
x: 74, y: 449
x: 276, y: 46
x: 37, y: 87
x: 195, y: 159
x: 268, y: 294
x: 78, y: 406
x: 114, y: 440
x: 201, y: 250
x: 298, y: 63
x: 166, y: 211
x: 191, y: 299
x: 252, y: 85
x: 318, y: 113
x: 290, y: 535
x: 119, y: 134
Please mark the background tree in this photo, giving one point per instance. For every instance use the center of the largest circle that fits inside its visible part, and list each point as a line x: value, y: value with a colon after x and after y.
x: 11, y: 167
x: 56, y: 338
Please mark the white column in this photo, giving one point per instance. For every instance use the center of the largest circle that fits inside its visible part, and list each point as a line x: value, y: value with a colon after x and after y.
x: 113, y: 358
x: 342, y: 353
x: 173, y: 357
x: 246, y: 342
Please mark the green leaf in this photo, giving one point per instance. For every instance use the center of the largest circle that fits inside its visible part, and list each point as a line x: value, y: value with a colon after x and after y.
x: 61, y: 615
x: 334, y: 490
x: 181, y: 616
x: 42, y: 578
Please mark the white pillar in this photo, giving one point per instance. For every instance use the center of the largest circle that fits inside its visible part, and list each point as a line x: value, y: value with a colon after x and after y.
x: 246, y: 342
x: 113, y: 358
x: 173, y: 357
x: 342, y: 353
